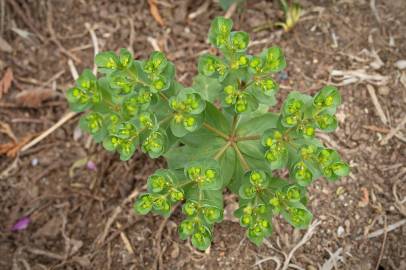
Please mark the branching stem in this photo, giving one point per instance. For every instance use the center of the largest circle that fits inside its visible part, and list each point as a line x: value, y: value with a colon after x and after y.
x: 244, y: 163
x: 222, y: 151
x: 163, y: 96
x: 248, y: 138
x: 215, y: 130
x: 234, y: 125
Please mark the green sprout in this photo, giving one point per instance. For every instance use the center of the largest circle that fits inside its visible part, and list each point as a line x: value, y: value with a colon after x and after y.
x: 292, y: 15
x: 216, y: 134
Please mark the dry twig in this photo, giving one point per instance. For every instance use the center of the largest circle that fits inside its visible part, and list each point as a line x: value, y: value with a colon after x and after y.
x: 391, y: 227
x: 306, y: 237
x: 125, y: 239
x: 385, y: 230
x: 199, y: 11
x: 154, y: 43
x: 333, y: 260
x: 393, y: 131
x: 230, y: 11
x: 377, y: 105
x: 46, y: 133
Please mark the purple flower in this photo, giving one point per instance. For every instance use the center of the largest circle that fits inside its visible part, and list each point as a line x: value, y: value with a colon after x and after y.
x: 21, y: 224
x: 91, y: 166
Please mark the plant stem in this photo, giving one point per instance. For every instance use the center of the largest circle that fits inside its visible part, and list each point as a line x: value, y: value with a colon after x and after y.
x: 248, y: 138
x: 234, y: 125
x: 222, y: 151
x: 215, y: 130
x: 244, y: 163
x: 163, y: 96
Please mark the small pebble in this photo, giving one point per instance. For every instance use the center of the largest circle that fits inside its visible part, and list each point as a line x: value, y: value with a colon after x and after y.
x: 400, y: 64
x: 340, y: 231
x: 34, y: 162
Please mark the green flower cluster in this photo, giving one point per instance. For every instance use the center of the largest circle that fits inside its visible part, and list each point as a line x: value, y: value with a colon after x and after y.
x: 216, y: 134
x: 262, y: 197
x: 200, y: 184
x: 245, y: 79
x: 291, y: 144
x: 123, y: 101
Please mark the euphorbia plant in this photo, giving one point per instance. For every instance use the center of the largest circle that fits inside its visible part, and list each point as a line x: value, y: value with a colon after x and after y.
x: 217, y: 134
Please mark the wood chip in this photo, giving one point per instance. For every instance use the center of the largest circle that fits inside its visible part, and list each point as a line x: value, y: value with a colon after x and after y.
x: 34, y: 98
x: 5, y: 82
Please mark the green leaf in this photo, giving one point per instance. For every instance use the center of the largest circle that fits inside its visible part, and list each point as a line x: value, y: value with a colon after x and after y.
x: 121, y: 83
x: 201, y: 239
x: 143, y: 204
x: 155, y: 144
x: 205, y: 173
x: 94, y: 124
x: 237, y: 179
x: 156, y: 63
x: 249, y: 126
x: 126, y: 58
x: 178, y: 156
x: 326, y: 122
x: 107, y: 62
x: 159, y: 83
x: 208, y: 88
x: 212, y: 214
x: 227, y: 163
x: 274, y: 60
x: 191, y: 99
x: 186, y: 229
x: 297, y: 215
x: 216, y: 118
x: 220, y: 31
x: 239, y: 41
x: 183, y: 124
x: 327, y: 98
x: 212, y: 66
x: 247, y: 191
x: 161, y: 179
x: 177, y: 128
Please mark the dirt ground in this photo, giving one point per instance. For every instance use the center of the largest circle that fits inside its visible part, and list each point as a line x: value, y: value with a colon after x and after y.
x: 83, y: 219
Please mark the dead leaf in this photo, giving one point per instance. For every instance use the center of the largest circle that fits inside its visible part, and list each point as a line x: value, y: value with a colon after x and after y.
x: 6, y: 129
x: 12, y: 149
x: 155, y: 12
x: 5, y: 82
x: 34, y: 98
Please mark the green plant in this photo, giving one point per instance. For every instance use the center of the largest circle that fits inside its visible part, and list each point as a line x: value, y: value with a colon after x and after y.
x: 292, y: 15
x: 216, y: 135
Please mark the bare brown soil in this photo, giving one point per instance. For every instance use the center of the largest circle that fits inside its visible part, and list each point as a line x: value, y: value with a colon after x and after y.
x: 70, y: 206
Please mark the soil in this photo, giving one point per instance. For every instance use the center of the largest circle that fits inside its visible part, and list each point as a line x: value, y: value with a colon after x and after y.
x: 70, y: 206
